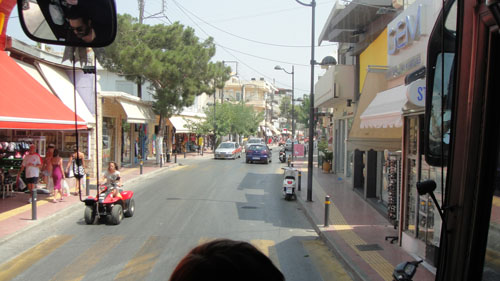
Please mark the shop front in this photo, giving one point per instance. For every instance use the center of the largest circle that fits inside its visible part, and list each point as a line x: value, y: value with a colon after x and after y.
x: 374, y: 144
x: 184, y: 139
x: 419, y: 223
x: 30, y: 114
x: 127, y: 128
x: 333, y: 91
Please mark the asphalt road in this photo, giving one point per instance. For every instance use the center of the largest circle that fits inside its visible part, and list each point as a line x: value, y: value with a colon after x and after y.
x: 176, y: 210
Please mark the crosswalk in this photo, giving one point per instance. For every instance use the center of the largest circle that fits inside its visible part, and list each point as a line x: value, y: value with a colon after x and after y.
x: 140, y: 264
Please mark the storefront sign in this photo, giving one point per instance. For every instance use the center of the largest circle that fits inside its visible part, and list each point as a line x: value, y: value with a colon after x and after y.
x: 404, y: 67
x: 416, y: 92
x: 408, y: 35
x: 404, y: 32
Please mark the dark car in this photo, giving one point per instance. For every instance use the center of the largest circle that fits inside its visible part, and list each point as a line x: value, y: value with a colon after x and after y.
x: 258, y: 153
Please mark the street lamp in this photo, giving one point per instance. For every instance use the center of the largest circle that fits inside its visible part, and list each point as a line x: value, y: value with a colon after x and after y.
x: 311, y: 107
x: 293, y: 109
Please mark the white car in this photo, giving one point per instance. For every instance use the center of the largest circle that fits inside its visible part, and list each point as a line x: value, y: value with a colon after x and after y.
x: 228, y: 150
x: 254, y: 141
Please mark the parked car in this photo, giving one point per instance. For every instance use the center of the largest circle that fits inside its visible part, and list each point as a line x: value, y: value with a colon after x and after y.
x: 258, y: 153
x: 252, y: 141
x: 288, y: 144
x: 228, y: 150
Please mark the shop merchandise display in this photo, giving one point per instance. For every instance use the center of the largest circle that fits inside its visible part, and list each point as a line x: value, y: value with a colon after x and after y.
x: 392, y: 166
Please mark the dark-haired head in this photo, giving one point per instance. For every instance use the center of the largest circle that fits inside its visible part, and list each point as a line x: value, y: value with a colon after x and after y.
x: 55, y: 153
x: 114, y: 164
x: 225, y: 260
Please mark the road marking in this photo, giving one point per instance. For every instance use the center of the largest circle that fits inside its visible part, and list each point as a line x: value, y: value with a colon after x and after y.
x: 16, y: 266
x: 268, y: 249
x: 22, y: 209
x: 372, y: 258
x: 496, y: 201
x: 328, y: 266
x: 78, y: 268
x: 178, y: 168
x: 142, y: 263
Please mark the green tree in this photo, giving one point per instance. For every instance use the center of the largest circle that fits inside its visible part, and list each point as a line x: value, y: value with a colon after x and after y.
x: 286, y: 109
x: 303, y: 111
x: 231, y: 119
x: 171, y: 58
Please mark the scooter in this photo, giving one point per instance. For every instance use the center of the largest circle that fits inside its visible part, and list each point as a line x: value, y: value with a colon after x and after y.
x: 405, y: 270
x: 282, y: 155
x: 107, y: 207
x: 289, y: 183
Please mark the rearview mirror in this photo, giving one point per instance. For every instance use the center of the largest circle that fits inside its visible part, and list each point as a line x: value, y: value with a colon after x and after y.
x: 439, y: 94
x: 81, y: 23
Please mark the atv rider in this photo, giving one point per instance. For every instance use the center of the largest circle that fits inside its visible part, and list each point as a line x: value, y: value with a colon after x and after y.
x: 113, y: 180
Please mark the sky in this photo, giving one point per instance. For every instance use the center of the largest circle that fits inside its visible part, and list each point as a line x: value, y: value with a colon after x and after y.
x: 252, y: 36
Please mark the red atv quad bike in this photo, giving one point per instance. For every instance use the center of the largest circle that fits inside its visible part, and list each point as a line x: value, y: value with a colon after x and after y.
x: 107, y: 207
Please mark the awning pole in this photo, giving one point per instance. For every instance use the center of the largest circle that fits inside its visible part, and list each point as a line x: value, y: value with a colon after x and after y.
x: 77, y: 175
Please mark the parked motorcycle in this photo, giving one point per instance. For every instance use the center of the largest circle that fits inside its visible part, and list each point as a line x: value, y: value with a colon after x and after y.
x: 289, y: 183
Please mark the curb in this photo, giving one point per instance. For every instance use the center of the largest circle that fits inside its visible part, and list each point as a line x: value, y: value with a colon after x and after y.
x: 350, y: 267
x: 60, y: 213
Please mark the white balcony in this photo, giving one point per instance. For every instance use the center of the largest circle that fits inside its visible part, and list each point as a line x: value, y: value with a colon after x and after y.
x: 336, y: 85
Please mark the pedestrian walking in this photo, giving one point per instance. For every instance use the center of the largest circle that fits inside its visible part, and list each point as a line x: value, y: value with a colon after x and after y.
x: 57, y: 175
x: 76, y: 169
x: 32, y: 163
x: 46, y: 169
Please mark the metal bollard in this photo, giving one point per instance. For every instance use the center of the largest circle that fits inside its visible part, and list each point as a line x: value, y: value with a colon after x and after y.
x: 300, y: 180
x: 87, y: 185
x: 327, y: 209
x: 33, y: 203
x: 141, y: 164
x: 161, y: 160
x: 289, y: 160
x: 175, y: 158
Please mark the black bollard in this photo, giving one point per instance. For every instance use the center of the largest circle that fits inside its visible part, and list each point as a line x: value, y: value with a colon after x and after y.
x: 327, y: 209
x: 300, y: 180
x: 161, y: 160
x: 141, y: 164
x: 33, y: 203
x: 175, y: 159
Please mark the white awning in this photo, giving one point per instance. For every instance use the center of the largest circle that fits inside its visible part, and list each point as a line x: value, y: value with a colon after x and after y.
x: 33, y: 72
x: 63, y: 88
x: 136, y: 113
x: 180, y: 122
x: 385, y: 109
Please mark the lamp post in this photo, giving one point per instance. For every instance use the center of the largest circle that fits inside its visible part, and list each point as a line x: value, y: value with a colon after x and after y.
x: 326, y: 61
x: 293, y: 99
x: 311, y: 107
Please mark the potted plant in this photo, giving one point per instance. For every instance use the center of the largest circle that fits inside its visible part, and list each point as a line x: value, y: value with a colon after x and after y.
x: 322, y: 149
x: 327, y: 161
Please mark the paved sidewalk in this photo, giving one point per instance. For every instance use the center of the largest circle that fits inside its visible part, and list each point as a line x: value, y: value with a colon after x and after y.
x: 16, y: 213
x: 356, y: 231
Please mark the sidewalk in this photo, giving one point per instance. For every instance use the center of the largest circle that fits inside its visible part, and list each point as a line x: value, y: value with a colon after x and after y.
x: 356, y: 231
x: 16, y: 213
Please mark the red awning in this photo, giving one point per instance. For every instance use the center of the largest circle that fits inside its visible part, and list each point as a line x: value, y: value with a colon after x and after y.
x: 25, y: 104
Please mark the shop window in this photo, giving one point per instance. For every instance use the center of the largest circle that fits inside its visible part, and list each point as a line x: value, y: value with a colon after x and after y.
x: 67, y: 143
